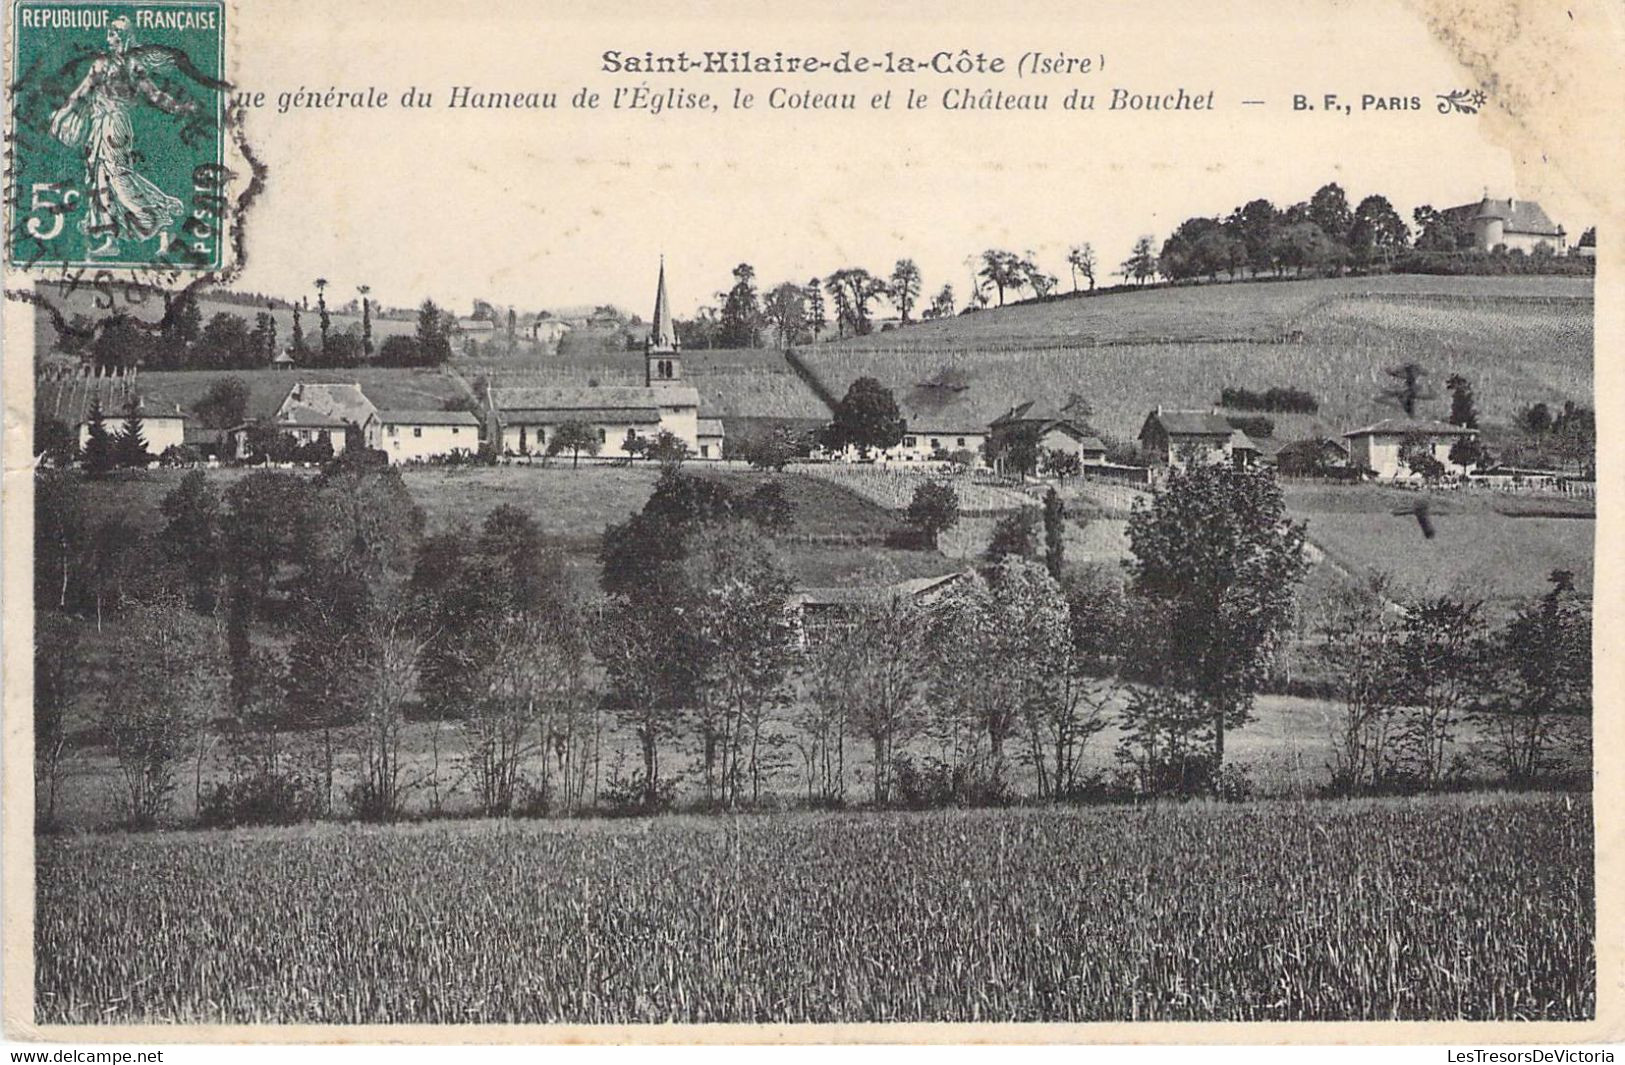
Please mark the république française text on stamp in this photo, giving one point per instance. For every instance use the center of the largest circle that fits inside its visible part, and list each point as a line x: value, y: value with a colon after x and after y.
x: 116, y: 137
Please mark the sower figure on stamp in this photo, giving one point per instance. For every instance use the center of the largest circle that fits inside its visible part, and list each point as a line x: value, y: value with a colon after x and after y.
x: 120, y: 202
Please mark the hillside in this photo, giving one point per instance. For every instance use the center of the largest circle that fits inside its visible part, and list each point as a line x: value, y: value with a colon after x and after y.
x: 1519, y: 340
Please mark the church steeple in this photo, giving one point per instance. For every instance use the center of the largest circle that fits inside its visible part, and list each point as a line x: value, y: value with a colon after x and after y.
x: 661, y: 364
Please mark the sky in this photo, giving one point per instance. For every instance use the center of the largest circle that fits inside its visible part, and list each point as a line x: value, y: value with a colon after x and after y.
x: 545, y: 209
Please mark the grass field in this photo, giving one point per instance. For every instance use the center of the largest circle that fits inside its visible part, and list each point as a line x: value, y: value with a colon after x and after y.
x: 1474, y: 908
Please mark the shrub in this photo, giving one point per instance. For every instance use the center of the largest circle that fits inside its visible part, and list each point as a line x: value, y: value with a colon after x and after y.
x: 180, y: 455
x: 261, y: 799
x: 1276, y: 400
x: 938, y: 784
x: 1256, y: 426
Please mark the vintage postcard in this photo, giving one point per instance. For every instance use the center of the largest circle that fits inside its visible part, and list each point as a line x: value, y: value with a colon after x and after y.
x: 1047, y: 523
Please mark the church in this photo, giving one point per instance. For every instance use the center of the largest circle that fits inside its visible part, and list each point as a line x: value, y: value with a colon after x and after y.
x: 524, y: 419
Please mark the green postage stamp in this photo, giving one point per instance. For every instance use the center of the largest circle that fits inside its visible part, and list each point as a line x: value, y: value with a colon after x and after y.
x: 116, y: 138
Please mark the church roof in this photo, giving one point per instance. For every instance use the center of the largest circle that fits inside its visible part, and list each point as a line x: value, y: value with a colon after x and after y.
x: 599, y: 397
x: 662, y: 331
x: 1517, y: 216
x: 560, y: 415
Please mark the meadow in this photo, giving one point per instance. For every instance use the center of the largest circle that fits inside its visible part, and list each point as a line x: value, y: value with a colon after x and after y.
x: 1456, y: 907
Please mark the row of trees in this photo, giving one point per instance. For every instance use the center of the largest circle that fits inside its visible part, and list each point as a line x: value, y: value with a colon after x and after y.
x: 181, y: 340
x: 299, y: 622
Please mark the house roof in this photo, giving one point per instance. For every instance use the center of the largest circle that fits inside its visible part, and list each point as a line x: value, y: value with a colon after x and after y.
x: 560, y: 415
x: 1240, y: 441
x: 920, y: 589
x: 1519, y: 216
x: 1190, y: 422
x: 309, y: 418
x: 1312, y: 447
x: 1401, y: 426
x: 345, y: 402
x: 711, y: 427
x: 601, y: 397
x: 427, y: 417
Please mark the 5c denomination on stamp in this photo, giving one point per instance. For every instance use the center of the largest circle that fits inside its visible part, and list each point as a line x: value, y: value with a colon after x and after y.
x: 116, y: 138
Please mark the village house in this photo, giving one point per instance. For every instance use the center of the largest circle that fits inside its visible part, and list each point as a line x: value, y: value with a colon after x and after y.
x: 524, y: 419
x: 1062, y: 427
x: 419, y: 435
x: 1517, y: 225
x: 547, y: 332
x: 160, y: 428
x: 1311, y: 457
x: 1181, y: 438
x: 1377, y: 447
x: 817, y: 612
x: 312, y: 412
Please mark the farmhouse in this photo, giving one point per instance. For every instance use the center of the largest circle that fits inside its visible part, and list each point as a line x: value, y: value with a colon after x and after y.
x: 548, y: 332
x: 1315, y: 455
x: 1377, y: 447
x: 1179, y: 438
x: 524, y: 419
x: 1519, y: 225
x: 1055, y: 428
x: 416, y: 435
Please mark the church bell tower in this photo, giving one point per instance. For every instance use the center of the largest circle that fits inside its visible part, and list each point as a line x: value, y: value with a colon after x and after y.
x: 662, y: 364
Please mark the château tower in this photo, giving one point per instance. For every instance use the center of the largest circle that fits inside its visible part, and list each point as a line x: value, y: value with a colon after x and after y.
x: 662, y: 364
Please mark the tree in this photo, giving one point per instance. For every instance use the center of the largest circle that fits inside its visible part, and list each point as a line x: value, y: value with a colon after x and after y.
x: 1378, y: 233
x: 1081, y: 260
x: 228, y: 344
x: 54, y: 441
x: 1215, y: 550
x: 296, y: 345
x: 1462, y: 410
x: 165, y: 688
x: 1544, y: 660
x: 433, y: 336
x: 1416, y: 454
x: 1408, y: 389
x: 366, y: 320
x: 737, y: 596
x: 813, y: 296
x: 1358, y: 648
x: 668, y: 449
x: 1014, y: 535
x: 905, y: 287
x: 866, y: 418
x: 741, y: 317
x: 130, y: 444
x: 933, y: 510
x: 1254, y: 224
x: 942, y: 305
x: 998, y: 643
x: 1329, y: 209
x: 1061, y: 462
x: 1441, y: 656
x: 1054, y: 533
x: 121, y: 343
x: 574, y: 437
x: 785, y: 309
x: 872, y: 670
x: 853, y: 289
x: 323, y: 320
x: 1014, y: 447
x: 1141, y: 265
x: 400, y: 350
x: 224, y: 405
x: 191, y: 538
x: 99, y: 450
x: 1003, y: 270
x: 57, y: 680
x: 1441, y: 232
x: 1035, y: 278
